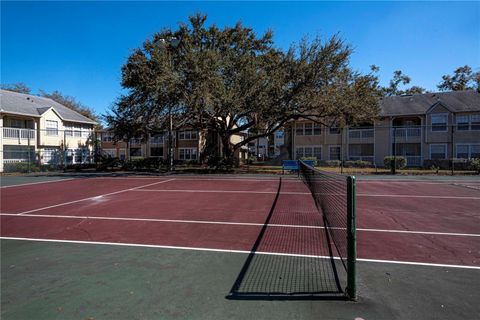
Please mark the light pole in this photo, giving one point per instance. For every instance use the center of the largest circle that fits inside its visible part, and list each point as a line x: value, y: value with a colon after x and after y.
x: 172, y: 42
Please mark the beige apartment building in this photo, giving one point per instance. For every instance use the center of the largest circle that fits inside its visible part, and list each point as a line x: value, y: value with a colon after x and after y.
x: 187, y: 145
x: 36, y: 130
x: 432, y: 126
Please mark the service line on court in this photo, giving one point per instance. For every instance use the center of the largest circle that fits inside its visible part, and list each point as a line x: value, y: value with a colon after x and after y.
x: 234, y: 223
x: 39, y: 182
x: 426, y: 264
x: 221, y: 191
x: 93, y: 197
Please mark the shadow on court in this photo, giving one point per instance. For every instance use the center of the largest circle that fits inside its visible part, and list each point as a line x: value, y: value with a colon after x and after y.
x: 268, y: 275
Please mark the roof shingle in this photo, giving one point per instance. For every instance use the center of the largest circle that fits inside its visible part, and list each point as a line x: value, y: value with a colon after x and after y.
x: 35, y: 106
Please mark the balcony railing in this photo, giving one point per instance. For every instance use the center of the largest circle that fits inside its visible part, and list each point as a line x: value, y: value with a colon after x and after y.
x: 361, y: 133
x: 414, y: 161
x: 18, y: 133
x: 410, y: 132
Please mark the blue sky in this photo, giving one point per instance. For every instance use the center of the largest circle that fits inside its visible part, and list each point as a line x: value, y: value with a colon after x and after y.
x: 78, y: 48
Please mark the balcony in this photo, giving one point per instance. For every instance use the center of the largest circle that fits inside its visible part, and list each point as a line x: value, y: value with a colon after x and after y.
x: 19, y: 136
x: 406, y: 134
x: 361, y: 133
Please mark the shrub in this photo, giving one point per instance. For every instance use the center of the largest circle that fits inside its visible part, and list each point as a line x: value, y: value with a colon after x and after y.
x: 475, y: 165
x: 21, y: 167
x: 357, y: 164
x: 437, y: 164
x: 314, y: 159
x: 329, y: 163
x: 400, y: 162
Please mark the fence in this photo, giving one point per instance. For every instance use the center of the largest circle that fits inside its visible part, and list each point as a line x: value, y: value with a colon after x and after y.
x: 448, y: 147
x: 439, y: 146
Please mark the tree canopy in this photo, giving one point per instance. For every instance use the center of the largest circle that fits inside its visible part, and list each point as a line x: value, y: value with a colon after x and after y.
x: 463, y: 78
x: 230, y: 81
x: 399, y: 79
x: 19, y: 87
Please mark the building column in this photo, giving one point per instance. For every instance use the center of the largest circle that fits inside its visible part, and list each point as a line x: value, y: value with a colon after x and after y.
x: 1, y: 144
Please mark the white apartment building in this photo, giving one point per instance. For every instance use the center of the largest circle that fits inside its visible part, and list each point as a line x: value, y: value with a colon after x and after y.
x: 37, y: 129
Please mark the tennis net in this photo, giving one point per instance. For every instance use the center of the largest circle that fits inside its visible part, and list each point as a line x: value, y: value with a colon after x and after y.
x: 334, y: 196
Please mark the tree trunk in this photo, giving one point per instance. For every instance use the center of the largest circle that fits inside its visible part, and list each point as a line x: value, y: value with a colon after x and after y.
x: 228, y: 151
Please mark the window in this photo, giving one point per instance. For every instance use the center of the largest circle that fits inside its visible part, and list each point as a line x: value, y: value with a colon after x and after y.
x: 158, y: 138
x: 475, y: 121
x: 77, y: 131
x: 439, y: 122
x: 299, y: 129
x: 334, y: 130
x: 468, y: 151
x: 111, y: 153
x: 462, y: 123
x: 438, y: 151
x: 335, y: 152
x: 135, y: 152
x: 68, y: 130
x: 52, y: 127
x: 86, y: 131
x: 50, y: 155
x: 462, y: 151
x: 308, y: 151
x: 187, y: 135
x: 188, y: 153
x: 156, y: 152
x: 107, y: 137
x: 475, y: 151
x: 308, y: 129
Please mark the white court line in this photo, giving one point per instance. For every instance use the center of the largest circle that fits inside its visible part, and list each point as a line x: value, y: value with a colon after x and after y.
x: 273, y: 179
x: 39, y: 182
x: 445, y: 182
x: 221, y: 191
x: 93, y: 197
x: 414, y: 196
x: 240, y: 251
x: 235, y: 223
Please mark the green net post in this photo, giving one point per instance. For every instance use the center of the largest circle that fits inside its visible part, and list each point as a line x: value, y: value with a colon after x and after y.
x: 352, y: 241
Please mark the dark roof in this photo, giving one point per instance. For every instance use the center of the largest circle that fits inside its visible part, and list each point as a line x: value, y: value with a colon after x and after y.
x: 455, y: 101
x: 35, y: 106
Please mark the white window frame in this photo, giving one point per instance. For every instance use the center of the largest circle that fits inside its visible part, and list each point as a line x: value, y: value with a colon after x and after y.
x: 49, y: 130
x: 458, y: 117
x: 192, y: 155
x: 188, y: 135
x: 339, y: 152
x: 471, y: 121
x: 107, y: 137
x: 438, y: 115
x: 311, y: 132
x: 438, y: 144
x: 49, y: 154
x: 469, y: 149
x: 311, y: 147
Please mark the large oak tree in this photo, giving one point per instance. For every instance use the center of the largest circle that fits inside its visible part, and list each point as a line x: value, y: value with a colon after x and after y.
x: 231, y: 81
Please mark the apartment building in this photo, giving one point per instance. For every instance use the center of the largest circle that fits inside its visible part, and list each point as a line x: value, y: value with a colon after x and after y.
x: 187, y: 145
x: 39, y: 130
x: 420, y: 127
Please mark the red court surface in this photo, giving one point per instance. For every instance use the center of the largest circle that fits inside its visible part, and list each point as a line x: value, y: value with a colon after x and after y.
x: 397, y: 221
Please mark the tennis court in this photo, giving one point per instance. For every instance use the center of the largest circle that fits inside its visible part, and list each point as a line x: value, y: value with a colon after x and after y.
x: 216, y: 247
